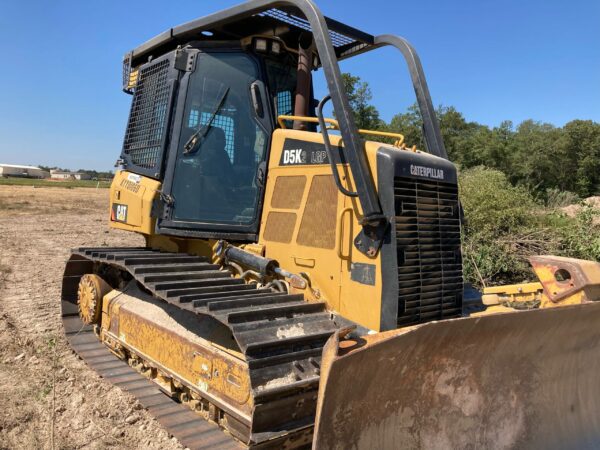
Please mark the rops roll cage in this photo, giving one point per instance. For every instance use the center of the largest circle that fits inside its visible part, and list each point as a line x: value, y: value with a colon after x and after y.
x: 334, y: 41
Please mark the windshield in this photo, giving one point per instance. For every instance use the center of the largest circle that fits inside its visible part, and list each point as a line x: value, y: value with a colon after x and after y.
x: 221, y: 144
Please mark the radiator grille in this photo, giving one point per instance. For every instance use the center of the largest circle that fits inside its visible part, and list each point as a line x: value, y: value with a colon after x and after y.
x: 147, y: 119
x: 430, y: 279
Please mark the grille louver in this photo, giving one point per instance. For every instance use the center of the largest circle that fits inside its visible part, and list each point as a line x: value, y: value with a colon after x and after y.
x: 430, y: 281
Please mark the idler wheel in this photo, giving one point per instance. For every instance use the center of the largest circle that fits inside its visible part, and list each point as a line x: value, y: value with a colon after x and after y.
x: 90, y: 292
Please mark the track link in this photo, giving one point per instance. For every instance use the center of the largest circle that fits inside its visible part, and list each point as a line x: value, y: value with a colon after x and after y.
x: 281, y: 335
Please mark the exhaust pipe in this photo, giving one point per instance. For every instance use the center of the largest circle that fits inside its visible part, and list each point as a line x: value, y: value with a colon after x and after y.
x: 304, y: 79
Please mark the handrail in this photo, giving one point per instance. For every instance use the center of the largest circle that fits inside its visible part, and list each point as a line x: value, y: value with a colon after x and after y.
x: 431, y: 127
x: 399, y: 143
x: 327, y: 144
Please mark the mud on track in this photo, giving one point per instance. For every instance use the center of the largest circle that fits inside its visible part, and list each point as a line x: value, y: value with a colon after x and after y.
x: 50, y: 398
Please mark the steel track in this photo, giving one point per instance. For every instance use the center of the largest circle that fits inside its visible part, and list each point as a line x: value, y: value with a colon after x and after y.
x: 258, y: 318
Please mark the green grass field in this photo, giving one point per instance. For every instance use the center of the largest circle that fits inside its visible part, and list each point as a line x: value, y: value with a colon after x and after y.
x: 58, y: 184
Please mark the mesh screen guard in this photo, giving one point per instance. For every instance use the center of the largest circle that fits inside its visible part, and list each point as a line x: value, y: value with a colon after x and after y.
x: 145, y: 137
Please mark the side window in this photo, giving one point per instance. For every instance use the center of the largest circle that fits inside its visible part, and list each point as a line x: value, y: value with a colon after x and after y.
x: 282, y: 77
x: 284, y: 103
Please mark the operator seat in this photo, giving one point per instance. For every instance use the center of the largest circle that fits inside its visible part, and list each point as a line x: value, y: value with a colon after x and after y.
x: 213, y: 158
x: 216, y: 176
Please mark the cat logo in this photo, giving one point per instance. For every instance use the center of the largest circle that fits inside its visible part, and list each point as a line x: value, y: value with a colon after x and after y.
x: 428, y: 172
x: 119, y: 213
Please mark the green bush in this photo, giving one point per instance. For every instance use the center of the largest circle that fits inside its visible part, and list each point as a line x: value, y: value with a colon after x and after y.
x: 556, y: 198
x: 502, y: 228
x: 504, y: 225
x: 579, y: 236
x: 491, y: 204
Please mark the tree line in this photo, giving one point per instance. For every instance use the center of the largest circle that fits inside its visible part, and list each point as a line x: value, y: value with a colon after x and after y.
x: 539, y: 156
x: 514, y: 182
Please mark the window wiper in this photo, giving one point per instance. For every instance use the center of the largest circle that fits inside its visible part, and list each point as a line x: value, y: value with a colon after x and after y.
x: 193, y: 143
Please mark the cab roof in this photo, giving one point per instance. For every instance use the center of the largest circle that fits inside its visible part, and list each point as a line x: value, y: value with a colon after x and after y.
x: 285, y: 22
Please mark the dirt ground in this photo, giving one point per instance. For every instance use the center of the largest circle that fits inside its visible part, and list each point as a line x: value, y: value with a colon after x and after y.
x: 573, y: 210
x: 50, y: 398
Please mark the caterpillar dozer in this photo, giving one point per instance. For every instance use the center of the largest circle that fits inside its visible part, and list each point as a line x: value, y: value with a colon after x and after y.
x: 301, y: 285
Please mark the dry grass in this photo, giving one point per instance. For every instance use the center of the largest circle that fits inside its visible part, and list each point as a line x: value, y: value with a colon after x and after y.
x: 50, y: 398
x: 30, y: 200
x: 69, y: 184
x: 13, y: 205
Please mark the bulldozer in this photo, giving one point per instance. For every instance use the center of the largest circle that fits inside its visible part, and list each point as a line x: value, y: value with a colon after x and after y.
x: 301, y: 283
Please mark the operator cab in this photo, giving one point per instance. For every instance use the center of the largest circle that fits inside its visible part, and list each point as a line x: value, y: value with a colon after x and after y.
x: 207, y: 96
x: 224, y: 114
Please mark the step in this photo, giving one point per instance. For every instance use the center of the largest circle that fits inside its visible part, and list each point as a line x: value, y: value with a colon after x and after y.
x: 300, y: 326
x: 282, y: 322
x: 270, y: 342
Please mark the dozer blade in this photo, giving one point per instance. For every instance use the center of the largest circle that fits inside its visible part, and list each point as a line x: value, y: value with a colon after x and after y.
x: 528, y: 379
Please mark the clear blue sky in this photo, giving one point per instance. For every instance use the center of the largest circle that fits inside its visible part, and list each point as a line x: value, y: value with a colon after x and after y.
x: 60, y: 84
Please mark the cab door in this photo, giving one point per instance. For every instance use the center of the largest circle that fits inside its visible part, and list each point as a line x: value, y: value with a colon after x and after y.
x: 220, y: 140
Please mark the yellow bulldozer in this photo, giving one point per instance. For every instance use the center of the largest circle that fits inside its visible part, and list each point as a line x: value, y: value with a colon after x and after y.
x: 300, y: 284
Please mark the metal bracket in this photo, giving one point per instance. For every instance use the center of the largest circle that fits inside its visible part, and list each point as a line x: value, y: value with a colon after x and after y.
x: 185, y: 60
x: 370, y: 239
x: 167, y: 203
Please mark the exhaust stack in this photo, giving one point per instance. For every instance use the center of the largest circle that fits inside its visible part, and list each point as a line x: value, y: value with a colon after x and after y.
x: 303, y: 85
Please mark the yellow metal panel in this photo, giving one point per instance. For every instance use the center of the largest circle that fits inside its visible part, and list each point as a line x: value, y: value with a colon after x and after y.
x: 523, y: 288
x: 322, y: 266
x: 567, y: 281
x: 360, y: 302
x: 563, y: 281
x: 330, y: 274
x: 131, y: 199
x: 181, y: 346
x: 525, y: 292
